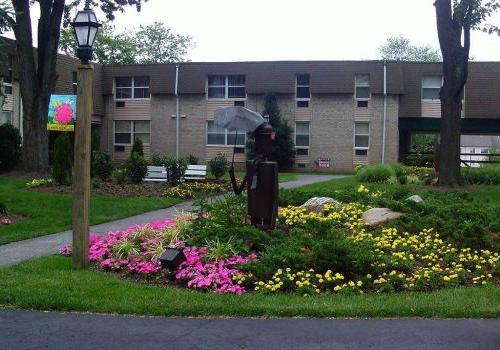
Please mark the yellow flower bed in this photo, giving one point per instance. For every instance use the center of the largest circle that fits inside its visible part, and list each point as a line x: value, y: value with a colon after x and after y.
x: 404, y: 261
x: 192, y: 189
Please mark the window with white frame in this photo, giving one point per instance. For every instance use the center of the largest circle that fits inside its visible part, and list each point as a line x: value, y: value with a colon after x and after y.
x: 302, y: 90
x: 6, y: 117
x: 362, y: 87
x: 302, y: 137
x: 431, y: 85
x: 136, y: 87
x: 7, y: 81
x: 361, y: 135
x: 218, y: 136
x: 126, y: 131
x: 226, y: 87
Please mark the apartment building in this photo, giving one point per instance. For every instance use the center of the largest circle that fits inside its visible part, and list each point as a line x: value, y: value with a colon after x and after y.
x: 343, y: 113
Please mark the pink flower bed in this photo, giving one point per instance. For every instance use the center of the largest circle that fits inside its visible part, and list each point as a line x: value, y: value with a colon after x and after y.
x: 136, y: 251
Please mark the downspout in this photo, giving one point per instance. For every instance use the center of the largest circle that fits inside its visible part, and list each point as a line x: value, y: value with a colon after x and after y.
x: 384, y: 117
x: 177, y: 114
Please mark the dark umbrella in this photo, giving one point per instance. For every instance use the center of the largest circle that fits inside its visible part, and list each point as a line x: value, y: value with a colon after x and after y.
x: 237, y: 118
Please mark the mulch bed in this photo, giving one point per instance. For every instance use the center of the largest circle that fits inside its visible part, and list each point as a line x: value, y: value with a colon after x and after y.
x: 112, y: 189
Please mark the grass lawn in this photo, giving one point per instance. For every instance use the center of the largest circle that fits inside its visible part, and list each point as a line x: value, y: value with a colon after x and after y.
x: 50, y: 284
x: 48, y: 213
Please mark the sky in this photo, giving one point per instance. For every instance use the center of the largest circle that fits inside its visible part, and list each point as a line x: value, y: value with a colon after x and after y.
x: 237, y: 30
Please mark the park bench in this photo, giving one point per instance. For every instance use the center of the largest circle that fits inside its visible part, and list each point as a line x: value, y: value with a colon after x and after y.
x: 156, y: 174
x: 195, y: 172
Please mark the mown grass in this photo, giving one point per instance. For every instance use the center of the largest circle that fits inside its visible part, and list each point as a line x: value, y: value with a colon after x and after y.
x: 282, y: 177
x: 47, y: 213
x: 50, y: 284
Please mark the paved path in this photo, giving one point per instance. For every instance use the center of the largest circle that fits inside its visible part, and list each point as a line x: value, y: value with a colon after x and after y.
x: 16, y: 252
x: 50, y: 330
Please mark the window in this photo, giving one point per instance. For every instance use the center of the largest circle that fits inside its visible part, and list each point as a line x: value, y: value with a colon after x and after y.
x: 126, y: 131
x: 6, y: 117
x: 361, y: 135
x: 217, y: 135
x: 132, y: 87
x: 226, y: 87
x: 302, y: 90
x: 430, y: 87
x: 484, y: 151
x: 362, y: 88
x: 301, y: 135
x: 75, y: 82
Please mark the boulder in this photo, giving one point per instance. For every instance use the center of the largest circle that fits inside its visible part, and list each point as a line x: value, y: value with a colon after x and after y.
x: 415, y: 198
x: 316, y: 204
x: 377, y: 216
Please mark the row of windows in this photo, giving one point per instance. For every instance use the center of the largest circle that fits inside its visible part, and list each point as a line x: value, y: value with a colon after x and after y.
x: 125, y: 132
x: 233, y: 87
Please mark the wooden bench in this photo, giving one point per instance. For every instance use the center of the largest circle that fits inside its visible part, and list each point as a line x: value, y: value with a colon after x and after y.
x: 156, y: 174
x: 195, y: 172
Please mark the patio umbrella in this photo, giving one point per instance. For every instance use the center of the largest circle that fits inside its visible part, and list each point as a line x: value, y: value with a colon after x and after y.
x: 237, y: 118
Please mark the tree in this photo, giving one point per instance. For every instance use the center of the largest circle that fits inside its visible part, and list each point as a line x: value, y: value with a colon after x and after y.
x: 109, y: 48
x: 455, y: 20
x: 154, y: 43
x: 399, y: 48
x: 283, y: 148
x: 37, y: 74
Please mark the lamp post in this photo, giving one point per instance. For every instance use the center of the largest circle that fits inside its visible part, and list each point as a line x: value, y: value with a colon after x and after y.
x: 85, y: 28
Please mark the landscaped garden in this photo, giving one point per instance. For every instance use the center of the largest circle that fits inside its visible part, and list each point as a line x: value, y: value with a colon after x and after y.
x: 439, y: 256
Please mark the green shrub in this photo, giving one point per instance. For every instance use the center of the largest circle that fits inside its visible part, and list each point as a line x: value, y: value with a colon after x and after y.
x: 193, y: 160
x: 101, y: 165
x: 218, y: 165
x: 375, y: 174
x: 118, y: 176
x: 175, y: 167
x: 489, y: 175
x: 419, y: 160
x: 61, y: 163
x: 10, y: 147
x: 403, y: 179
x: 96, y: 182
x: 137, y: 147
x: 95, y: 141
x: 399, y: 169
x: 137, y: 167
x: 3, y: 208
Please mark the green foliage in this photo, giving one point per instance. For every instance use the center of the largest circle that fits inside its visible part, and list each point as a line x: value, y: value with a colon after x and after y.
x: 193, y: 160
x: 118, y: 176
x: 96, y: 182
x: 136, y: 167
x: 3, y: 208
x: 219, y: 249
x: 218, y: 165
x: 62, y: 160
x: 399, y: 48
x: 95, y: 141
x: 175, y: 168
x: 101, y: 165
x: 10, y: 147
x: 137, y: 147
x: 153, y: 43
x: 489, y: 175
x: 375, y: 173
x: 283, y: 148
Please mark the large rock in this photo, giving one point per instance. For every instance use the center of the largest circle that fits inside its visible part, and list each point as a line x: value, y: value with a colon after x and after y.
x: 377, y: 216
x: 415, y: 198
x: 316, y: 204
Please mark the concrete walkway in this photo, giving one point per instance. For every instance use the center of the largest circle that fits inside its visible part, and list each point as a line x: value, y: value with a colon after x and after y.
x: 51, y: 330
x: 16, y: 252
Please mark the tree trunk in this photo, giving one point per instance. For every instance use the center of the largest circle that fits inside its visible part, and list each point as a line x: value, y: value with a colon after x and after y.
x: 37, y: 79
x: 455, y: 72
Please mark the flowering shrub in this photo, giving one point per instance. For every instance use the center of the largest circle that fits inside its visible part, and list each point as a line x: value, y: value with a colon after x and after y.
x: 39, y: 182
x: 192, y: 189
x: 65, y: 250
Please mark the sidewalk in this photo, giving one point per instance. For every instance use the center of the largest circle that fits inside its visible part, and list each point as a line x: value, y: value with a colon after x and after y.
x: 16, y: 252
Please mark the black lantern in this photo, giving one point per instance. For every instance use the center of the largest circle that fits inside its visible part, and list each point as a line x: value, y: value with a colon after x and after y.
x: 85, y: 28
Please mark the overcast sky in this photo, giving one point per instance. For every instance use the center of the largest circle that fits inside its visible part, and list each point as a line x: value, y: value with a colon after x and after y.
x: 238, y: 30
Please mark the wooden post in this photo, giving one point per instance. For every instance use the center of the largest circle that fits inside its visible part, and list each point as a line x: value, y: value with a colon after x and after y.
x: 81, y: 176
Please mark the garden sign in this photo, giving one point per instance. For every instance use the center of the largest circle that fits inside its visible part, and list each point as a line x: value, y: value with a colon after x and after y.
x: 62, y: 113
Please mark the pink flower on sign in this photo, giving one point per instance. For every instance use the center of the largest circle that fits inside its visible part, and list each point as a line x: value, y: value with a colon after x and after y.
x: 63, y: 114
